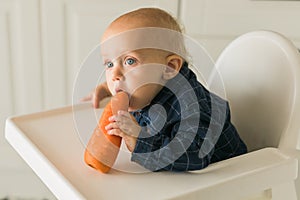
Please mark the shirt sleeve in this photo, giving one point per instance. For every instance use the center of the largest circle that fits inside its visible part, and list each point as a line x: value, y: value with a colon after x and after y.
x: 178, y: 151
x: 188, y: 143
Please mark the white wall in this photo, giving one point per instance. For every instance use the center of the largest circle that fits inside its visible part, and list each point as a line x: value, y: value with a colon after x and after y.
x: 215, y: 23
x: 43, y: 42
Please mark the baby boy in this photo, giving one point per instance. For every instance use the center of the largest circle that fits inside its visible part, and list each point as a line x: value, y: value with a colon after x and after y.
x: 171, y: 123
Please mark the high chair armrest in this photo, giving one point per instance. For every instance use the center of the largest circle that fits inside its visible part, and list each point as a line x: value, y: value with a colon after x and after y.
x: 245, y: 175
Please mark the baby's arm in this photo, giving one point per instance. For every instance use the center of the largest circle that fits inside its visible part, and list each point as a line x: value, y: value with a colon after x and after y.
x: 100, y: 92
x: 177, y: 148
x: 161, y: 152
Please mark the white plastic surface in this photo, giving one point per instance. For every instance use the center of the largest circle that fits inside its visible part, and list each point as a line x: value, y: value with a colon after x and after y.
x: 261, y: 74
x: 49, y: 143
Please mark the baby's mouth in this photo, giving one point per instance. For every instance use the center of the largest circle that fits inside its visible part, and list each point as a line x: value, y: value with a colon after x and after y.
x: 118, y: 90
x: 119, y: 87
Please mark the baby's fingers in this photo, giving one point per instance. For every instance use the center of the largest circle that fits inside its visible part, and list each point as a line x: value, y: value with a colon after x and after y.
x: 113, y: 125
x: 127, y: 124
x: 124, y: 114
x: 116, y: 132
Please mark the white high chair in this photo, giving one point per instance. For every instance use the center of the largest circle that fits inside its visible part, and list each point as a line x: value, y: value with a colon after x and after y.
x: 261, y: 73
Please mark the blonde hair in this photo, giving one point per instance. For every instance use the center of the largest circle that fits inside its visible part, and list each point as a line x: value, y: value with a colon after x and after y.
x: 153, y: 17
x: 157, y: 18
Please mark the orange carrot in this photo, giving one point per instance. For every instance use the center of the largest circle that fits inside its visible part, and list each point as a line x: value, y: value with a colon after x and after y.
x: 102, y: 149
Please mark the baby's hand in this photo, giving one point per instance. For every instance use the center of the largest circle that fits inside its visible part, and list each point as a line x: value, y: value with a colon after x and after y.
x: 100, y: 92
x: 125, y: 126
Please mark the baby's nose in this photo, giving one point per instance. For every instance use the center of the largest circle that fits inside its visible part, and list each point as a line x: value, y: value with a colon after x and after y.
x: 117, y: 73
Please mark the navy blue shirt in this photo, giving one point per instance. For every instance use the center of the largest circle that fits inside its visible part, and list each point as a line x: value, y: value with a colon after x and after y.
x: 185, y: 127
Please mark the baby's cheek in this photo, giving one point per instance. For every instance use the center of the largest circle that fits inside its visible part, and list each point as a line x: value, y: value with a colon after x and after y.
x: 111, y: 87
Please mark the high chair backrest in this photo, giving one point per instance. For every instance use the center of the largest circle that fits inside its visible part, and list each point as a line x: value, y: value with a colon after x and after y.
x: 261, y: 75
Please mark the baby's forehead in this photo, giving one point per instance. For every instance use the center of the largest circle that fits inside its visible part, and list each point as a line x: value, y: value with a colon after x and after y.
x: 140, y: 51
x: 143, y: 39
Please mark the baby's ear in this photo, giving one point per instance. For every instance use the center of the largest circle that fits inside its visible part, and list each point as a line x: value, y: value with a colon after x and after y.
x: 174, y: 63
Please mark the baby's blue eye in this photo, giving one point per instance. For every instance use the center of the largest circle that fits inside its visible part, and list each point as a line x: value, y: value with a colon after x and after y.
x: 130, y: 61
x: 109, y: 64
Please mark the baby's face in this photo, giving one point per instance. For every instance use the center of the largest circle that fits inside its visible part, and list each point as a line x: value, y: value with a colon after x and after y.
x: 139, y: 73
x: 130, y: 65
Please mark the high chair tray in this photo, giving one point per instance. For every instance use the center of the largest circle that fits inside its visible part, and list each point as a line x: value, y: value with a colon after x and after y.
x: 49, y: 142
